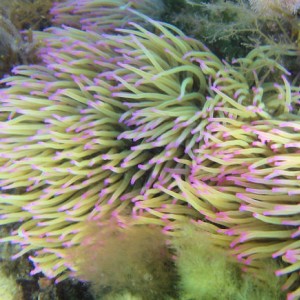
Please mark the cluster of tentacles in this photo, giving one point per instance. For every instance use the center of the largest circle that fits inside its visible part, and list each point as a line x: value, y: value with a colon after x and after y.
x: 150, y: 123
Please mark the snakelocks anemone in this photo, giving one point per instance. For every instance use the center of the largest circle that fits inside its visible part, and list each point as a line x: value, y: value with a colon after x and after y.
x: 153, y: 126
x: 102, y: 15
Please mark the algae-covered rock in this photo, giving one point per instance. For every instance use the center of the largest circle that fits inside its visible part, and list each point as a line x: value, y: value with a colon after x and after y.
x: 9, y: 289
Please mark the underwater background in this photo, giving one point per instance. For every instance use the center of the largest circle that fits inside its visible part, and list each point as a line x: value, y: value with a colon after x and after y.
x: 149, y: 149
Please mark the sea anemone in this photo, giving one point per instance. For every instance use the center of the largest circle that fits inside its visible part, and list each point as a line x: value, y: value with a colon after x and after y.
x: 72, y: 145
x: 102, y: 15
x: 151, y: 125
x: 246, y: 181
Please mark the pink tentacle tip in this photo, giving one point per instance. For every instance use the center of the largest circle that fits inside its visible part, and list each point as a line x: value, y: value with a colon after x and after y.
x: 290, y: 296
x: 243, y: 207
x: 279, y: 273
x: 35, y: 271
x: 167, y: 228
x: 233, y: 244
x: 164, y: 217
x: 296, y: 233
x: 229, y: 232
x: 291, y: 256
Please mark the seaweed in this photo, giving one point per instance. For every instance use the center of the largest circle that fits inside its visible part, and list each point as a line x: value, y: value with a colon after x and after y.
x: 231, y: 29
x: 17, y: 20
